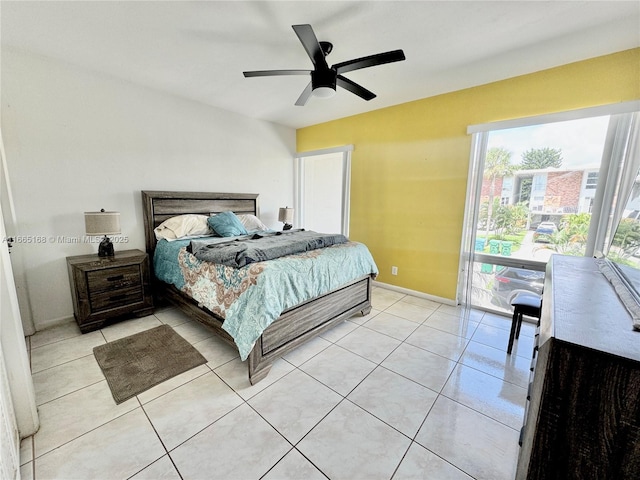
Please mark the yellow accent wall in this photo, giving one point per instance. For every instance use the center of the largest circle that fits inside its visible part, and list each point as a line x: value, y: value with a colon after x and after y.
x: 410, y: 161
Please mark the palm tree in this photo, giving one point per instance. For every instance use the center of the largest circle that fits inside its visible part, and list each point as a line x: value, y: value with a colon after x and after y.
x: 497, y: 164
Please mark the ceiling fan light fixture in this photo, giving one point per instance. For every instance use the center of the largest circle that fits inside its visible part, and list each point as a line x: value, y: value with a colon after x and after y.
x: 324, y: 92
x: 323, y: 83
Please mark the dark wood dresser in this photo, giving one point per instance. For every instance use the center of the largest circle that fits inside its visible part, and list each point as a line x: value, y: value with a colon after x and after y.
x: 582, y: 419
x: 108, y: 288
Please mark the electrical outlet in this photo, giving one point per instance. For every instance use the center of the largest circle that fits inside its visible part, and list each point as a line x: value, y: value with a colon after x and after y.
x: 394, y: 270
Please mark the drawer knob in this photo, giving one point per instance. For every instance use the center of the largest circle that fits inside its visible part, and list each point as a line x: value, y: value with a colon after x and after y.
x: 115, y: 278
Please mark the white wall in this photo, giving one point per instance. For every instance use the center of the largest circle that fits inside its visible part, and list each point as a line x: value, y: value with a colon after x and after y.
x: 77, y: 141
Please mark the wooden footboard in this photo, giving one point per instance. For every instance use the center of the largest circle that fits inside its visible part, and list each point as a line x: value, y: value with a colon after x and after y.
x: 305, y: 321
x: 293, y: 328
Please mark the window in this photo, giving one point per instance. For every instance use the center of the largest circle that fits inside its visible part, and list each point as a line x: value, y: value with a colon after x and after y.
x: 569, y: 169
x: 592, y: 180
x: 322, y: 190
x: 540, y: 182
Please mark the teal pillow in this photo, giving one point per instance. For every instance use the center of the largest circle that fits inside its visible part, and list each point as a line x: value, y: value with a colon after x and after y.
x: 226, y: 224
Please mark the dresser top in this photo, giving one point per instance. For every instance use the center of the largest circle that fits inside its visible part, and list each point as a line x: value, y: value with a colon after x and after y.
x: 585, y: 310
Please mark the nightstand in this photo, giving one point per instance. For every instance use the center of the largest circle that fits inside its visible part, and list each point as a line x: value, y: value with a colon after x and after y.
x: 108, y: 288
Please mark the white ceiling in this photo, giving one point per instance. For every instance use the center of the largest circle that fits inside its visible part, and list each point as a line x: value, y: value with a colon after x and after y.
x: 199, y: 50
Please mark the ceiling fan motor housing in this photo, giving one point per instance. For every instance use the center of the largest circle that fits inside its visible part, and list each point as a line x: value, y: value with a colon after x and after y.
x: 324, y: 78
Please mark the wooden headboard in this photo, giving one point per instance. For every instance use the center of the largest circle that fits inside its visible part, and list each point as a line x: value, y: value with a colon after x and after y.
x: 158, y: 206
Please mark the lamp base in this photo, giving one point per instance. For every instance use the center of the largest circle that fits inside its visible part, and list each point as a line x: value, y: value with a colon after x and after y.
x: 287, y: 226
x: 105, y: 249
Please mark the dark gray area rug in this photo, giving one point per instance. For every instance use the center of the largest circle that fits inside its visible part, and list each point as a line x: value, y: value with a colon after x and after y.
x: 136, y: 363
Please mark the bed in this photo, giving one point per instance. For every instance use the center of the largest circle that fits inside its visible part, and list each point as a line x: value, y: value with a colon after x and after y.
x: 294, y: 326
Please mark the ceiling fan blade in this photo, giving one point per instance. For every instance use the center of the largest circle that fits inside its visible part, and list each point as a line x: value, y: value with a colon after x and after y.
x: 311, y: 45
x: 306, y: 93
x: 370, y: 61
x: 271, y: 73
x: 353, y: 87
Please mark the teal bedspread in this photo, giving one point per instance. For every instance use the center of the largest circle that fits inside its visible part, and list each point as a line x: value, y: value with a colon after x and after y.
x: 252, y: 297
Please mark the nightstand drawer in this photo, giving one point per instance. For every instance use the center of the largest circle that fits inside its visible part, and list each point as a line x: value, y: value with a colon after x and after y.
x: 114, y: 278
x: 116, y: 298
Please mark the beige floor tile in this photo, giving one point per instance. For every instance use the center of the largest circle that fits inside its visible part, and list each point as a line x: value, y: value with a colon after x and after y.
x: 241, y: 445
x: 117, y: 449
x: 426, y: 368
x: 216, y: 351
x: 369, y: 344
x: 499, y: 338
x: 460, y: 311
x: 75, y: 414
x: 66, y: 378
x: 409, y: 311
x: 162, y: 469
x: 56, y: 333
x: 295, y: 404
x: 172, y: 383
x: 436, y: 341
x: 476, y: 444
x: 460, y: 326
x: 382, y: 298
x: 336, y: 333
x: 500, y: 400
x: 235, y: 374
x: 203, y: 416
x: 294, y: 467
x: 395, y: 400
x: 350, y: 443
x: 64, y: 351
x: 130, y: 327
x: 496, y: 362
x: 361, y: 319
x: 527, y: 329
x: 193, y: 332
x: 306, y: 351
x: 422, y: 302
x: 419, y: 463
x: 396, y: 327
x: 339, y: 369
x: 172, y: 316
x: 183, y: 412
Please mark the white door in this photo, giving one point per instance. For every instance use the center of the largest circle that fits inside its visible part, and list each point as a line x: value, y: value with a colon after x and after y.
x: 18, y: 412
x: 9, y: 437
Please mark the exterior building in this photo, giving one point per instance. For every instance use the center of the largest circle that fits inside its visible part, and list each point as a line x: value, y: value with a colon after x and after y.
x: 550, y: 193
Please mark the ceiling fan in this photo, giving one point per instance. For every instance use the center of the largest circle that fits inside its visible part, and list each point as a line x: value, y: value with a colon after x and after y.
x: 324, y: 78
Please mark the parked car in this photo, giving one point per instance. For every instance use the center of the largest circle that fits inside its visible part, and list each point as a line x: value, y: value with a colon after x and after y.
x: 510, y: 281
x: 544, y: 231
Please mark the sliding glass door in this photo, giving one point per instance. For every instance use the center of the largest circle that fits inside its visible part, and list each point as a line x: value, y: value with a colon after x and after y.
x: 539, y: 187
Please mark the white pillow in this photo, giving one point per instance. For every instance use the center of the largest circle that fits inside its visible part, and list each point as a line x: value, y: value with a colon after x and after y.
x: 252, y: 223
x: 182, y: 226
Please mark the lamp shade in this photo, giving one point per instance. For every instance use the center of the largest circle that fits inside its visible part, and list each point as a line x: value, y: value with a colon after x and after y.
x: 102, y: 223
x: 285, y: 215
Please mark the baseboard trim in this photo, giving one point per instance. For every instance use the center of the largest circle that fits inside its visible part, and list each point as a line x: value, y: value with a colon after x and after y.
x: 426, y: 296
x: 53, y: 322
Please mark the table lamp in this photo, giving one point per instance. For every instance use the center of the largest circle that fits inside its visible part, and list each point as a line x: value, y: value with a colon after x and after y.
x: 285, y: 215
x: 103, y: 223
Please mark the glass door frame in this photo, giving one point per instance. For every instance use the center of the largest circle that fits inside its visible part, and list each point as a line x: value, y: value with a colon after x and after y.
x: 480, y: 135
